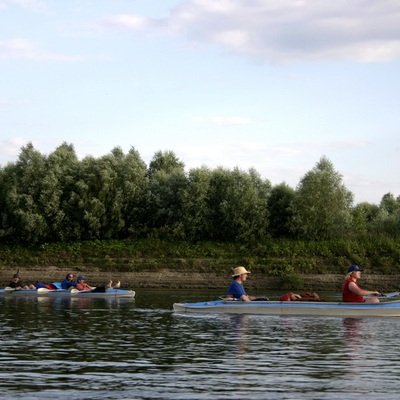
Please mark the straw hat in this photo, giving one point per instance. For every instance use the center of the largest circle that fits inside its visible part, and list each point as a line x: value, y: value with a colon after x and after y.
x: 240, y: 271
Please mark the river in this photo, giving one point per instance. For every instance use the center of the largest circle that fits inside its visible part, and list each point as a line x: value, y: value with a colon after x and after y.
x: 55, y: 348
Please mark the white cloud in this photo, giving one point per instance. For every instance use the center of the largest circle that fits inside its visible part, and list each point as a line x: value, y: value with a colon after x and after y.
x: 131, y: 22
x: 31, y: 4
x: 286, y: 30
x: 25, y: 49
x: 233, y: 38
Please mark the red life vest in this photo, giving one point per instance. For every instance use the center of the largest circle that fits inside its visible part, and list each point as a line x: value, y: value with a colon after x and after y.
x: 348, y: 296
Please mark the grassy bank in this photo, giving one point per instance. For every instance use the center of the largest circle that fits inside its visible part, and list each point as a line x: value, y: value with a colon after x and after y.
x: 274, y: 257
x: 154, y: 263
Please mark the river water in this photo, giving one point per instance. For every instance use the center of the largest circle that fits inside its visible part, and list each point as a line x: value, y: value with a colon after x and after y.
x: 55, y: 348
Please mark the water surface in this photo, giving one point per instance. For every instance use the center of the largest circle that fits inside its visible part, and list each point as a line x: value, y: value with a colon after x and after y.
x: 139, y: 349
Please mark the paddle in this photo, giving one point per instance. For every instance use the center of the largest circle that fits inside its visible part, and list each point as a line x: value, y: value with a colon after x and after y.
x: 94, y: 290
x: 227, y: 298
x: 72, y: 291
x: 8, y: 289
x: 43, y: 290
x: 384, y: 295
x: 387, y: 295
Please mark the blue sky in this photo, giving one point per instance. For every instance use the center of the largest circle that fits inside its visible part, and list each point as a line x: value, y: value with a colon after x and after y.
x: 269, y: 84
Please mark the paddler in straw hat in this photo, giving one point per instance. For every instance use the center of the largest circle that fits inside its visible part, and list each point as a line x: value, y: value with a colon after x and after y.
x: 236, y: 289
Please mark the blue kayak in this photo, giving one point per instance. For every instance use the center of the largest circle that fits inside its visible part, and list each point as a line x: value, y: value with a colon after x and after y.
x: 304, y: 308
x: 9, y: 292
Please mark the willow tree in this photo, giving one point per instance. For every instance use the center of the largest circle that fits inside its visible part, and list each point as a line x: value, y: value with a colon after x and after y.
x: 196, y: 219
x: 22, y: 185
x: 58, y: 187
x: 165, y: 161
x: 167, y: 183
x: 387, y: 221
x: 132, y: 179
x: 364, y: 216
x: 237, y: 202
x: 105, y: 189
x: 280, y: 210
x: 322, y: 205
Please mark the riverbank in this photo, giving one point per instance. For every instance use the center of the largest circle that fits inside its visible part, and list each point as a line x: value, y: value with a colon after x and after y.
x: 170, y: 279
x: 276, y: 264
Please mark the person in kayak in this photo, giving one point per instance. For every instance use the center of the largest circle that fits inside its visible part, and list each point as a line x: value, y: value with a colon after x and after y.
x: 68, y: 283
x: 236, y: 288
x: 18, y: 285
x: 352, y: 293
x: 82, y: 285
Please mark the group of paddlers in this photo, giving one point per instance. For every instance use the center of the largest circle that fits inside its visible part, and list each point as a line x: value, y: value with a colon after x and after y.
x: 351, y: 292
x: 67, y: 284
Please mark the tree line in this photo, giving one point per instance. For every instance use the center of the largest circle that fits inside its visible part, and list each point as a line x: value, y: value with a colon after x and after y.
x: 59, y: 198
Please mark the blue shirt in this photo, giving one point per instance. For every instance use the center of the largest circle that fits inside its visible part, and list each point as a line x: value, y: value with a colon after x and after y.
x: 236, y: 289
x: 66, y: 284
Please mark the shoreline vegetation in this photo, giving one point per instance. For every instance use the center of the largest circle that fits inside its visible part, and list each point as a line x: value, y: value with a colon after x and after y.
x: 159, y: 225
x: 275, y: 264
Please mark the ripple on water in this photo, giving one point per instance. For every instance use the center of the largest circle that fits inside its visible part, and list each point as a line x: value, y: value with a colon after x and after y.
x: 114, y: 349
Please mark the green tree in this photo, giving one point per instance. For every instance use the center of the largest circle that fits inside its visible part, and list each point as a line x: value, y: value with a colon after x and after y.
x: 165, y: 161
x: 22, y: 185
x: 363, y: 215
x: 322, y: 205
x: 132, y: 179
x: 387, y: 221
x: 100, y: 196
x: 389, y: 203
x: 237, y: 203
x: 280, y: 210
x: 196, y: 219
x: 58, y: 186
x: 166, y: 192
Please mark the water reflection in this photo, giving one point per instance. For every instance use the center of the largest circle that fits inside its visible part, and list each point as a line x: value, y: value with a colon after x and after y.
x: 79, y: 348
x: 353, y: 329
x: 239, y: 325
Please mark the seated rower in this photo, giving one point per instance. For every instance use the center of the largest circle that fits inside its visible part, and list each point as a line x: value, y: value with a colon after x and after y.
x: 352, y: 293
x: 236, y: 288
x: 68, y: 283
x: 82, y: 285
x: 18, y: 285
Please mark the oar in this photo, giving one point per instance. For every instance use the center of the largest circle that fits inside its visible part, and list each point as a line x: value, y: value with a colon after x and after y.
x: 384, y: 295
x: 387, y: 295
x: 45, y: 290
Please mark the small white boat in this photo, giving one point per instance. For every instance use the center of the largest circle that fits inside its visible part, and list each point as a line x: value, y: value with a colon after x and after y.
x: 303, y: 308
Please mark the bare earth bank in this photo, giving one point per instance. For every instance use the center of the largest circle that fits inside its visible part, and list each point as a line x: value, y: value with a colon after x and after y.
x: 164, y: 279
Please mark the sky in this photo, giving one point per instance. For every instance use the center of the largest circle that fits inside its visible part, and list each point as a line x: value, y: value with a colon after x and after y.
x: 273, y: 85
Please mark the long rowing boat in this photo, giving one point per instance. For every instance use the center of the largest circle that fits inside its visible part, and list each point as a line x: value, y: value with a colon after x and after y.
x: 42, y: 292
x: 303, y: 308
